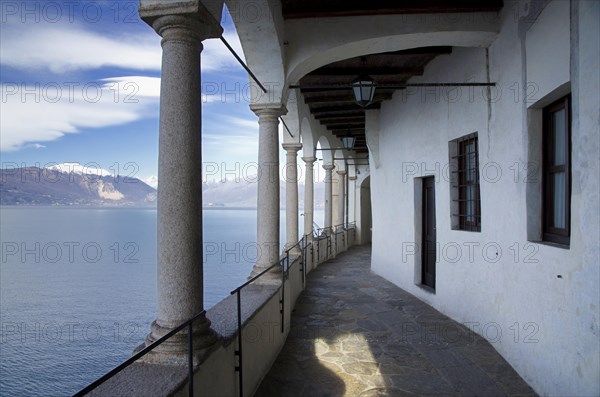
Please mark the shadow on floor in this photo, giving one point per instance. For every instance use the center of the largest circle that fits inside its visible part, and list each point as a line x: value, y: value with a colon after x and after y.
x: 355, y: 334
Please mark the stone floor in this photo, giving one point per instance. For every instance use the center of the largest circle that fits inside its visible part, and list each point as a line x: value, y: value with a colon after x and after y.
x: 355, y: 334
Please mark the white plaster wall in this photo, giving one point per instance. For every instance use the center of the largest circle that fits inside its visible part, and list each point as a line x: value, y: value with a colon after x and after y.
x: 548, y: 49
x: 549, y: 324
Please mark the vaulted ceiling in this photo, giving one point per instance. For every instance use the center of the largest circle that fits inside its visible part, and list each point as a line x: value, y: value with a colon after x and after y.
x: 327, y: 91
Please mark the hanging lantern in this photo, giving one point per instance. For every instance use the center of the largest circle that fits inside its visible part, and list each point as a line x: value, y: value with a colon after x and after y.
x: 348, y: 141
x: 364, y: 90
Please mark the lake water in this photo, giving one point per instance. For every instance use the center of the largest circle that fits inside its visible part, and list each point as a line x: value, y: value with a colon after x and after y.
x: 78, y: 288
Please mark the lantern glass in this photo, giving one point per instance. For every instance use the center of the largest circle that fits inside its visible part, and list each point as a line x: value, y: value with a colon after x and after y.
x: 348, y: 141
x: 364, y: 90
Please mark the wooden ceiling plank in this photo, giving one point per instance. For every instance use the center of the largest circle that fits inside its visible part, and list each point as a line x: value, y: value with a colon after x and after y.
x: 372, y: 71
x: 293, y: 9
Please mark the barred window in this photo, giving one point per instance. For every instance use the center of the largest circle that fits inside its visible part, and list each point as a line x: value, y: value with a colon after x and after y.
x: 466, y: 196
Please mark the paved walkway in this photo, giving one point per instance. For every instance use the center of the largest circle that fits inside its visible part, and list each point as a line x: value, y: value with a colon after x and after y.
x: 355, y: 334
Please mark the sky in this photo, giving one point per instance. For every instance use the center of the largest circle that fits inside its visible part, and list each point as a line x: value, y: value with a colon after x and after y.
x: 80, y: 81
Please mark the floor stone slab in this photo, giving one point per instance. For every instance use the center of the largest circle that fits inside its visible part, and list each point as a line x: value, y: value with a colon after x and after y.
x: 356, y: 334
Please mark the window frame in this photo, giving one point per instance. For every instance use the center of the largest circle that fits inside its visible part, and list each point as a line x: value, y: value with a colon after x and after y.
x: 463, y: 184
x: 550, y: 233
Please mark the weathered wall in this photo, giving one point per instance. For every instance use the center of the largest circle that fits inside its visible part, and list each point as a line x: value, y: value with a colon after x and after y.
x: 536, y: 303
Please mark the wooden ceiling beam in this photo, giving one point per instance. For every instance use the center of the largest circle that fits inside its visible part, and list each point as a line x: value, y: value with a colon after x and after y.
x: 344, y: 99
x: 342, y: 131
x: 331, y: 120
x: 336, y: 88
x: 293, y: 9
x: 341, y: 108
x: 343, y: 124
x: 373, y: 71
x: 332, y: 114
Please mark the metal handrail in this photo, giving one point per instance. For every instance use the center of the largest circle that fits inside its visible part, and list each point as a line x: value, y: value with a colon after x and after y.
x: 284, y: 263
x: 322, y: 232
x: 147, y: 350
x: 341, y: 226
x: 237, y: 291
x: 306, y: 243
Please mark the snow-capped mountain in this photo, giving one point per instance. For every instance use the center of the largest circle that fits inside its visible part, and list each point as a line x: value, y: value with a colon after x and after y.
x: 72, y: 184
x: 77, y: 168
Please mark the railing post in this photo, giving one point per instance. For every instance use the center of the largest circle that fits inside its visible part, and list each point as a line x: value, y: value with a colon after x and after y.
x: 190, y: 361
x: 318, y: 250
x: 330, y: 243
x: 304, y: 249
x: 282, y: 301
x: 238, y: 353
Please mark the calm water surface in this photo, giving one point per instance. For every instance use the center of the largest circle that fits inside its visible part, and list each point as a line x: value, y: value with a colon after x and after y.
x: 78, y: 288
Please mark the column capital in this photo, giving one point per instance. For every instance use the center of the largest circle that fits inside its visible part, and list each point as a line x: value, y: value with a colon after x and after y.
x: 268, y: 109
x: 185, y: 21
x: 309, y: 160
x: 352, y: 178
x: 328, y: 167
x: 341, y: 172
x: 292, y: 148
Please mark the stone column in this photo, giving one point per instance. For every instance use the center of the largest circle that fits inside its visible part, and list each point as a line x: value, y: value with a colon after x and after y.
x: 267, y: 235
x: 352, y: 198
x: 334, y: 199
x: 291, y: 196
x: 328, y: 194
x: 309, y: 200
x: 179, y: 224
x: 341, y: 197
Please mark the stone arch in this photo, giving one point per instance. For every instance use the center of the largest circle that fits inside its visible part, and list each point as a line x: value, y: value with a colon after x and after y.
x: 308, y: 141
x: 327, y: 154
x: 351, y: 158
x: 261, y: 38
x: 311, y: 51
x: 340, y: 158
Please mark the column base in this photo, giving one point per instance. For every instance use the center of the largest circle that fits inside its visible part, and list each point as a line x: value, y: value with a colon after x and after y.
x: 271, y: 277
x: 174, y: 351
x: 295, y: 251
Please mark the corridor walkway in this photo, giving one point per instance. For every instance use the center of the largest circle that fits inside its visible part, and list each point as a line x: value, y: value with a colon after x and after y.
x: 355, y: 334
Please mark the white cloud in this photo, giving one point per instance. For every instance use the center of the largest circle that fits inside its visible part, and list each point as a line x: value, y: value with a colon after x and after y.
x: 216, y: 56
x: 42, y: 113
x: 133, y: 86
x: 68, y: 47
x: 63, y: 48
x: 246, y: 125
x: 36, y: 146
x: 34, y: 113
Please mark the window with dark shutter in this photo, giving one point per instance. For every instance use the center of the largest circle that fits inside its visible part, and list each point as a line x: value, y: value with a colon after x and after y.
x: 557, y: 172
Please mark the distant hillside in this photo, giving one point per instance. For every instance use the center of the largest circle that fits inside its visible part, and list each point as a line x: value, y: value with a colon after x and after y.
x: 71, y: 184
x: 43, y: 186
x: 243, y: 193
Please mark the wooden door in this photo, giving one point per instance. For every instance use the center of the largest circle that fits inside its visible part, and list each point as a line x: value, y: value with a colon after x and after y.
x: 429, y: 237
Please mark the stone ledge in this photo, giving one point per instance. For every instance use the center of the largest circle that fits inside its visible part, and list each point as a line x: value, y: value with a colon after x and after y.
x: 144, y: 379
x: 223, y: 315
